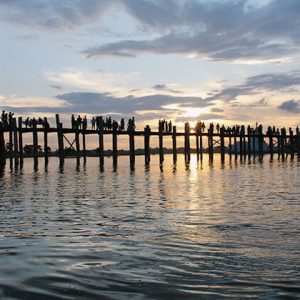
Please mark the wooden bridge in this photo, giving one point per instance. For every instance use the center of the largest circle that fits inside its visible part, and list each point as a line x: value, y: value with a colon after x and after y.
x: 236, y: 144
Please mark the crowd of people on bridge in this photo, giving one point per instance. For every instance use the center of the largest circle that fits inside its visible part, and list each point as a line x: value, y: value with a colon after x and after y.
x: 109, y: 124
x: 240, y: 129
x: 98, y: 122
x: 165, y: 126
x: 7, y: 119
x: 79, y: 122
x: 234, y: 130
x: 32, y: 122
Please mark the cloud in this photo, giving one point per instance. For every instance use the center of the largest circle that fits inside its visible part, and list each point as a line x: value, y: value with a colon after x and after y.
x: 15, y: 102
x: 237, y: 31
x: 145, y: 108
x: 106, y: 103
x: 216, y: 110
x: 54, y: 15
x: 103, y: 103
x: 27, y: 37
x: 56, y: 87
x: 262, y: 102
x: 94, y: 81
x: 164, y: 87
x: 292, y: 106
x: 253, y: 85
x: 202, y: 117
x: 215, y: 30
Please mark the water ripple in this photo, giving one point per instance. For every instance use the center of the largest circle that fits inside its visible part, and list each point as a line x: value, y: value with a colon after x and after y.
x: 190, y: 232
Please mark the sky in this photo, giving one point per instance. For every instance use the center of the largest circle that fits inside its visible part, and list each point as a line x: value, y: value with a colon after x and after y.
x: 226, y: 61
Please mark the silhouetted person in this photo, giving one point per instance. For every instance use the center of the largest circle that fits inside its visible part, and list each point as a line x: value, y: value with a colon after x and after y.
x: 84, y: 123
x: 73, y: 122
x: 46, y: 123
x: 33, y: 122
x: 99, y: 122
x: 93, y: 121
x: 79, y: 122
x: 27, y: 122
x: 122, y: 124
x: 170, y: 127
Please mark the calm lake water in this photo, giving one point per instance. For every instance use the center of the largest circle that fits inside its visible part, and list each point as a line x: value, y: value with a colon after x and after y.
x: 181, y: 232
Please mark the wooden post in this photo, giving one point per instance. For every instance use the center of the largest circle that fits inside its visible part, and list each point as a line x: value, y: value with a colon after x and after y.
x: 286, y: 148
x: 254, y: 139
x: 174, y: 144
x: 84, y: 145
x: 2, y: 144
x: 197, y: 146
x: 283, y: 143
x: 16, y: 145
x: 77, y: 144
x: 161, y: 145
x: 260, y: 142
x: 235, y: 144
x: 187, y: 146
x: 197, y: 143
x: 10, y: 147
x: 292, y: 143
x: 241, y: 144
x: 201, y: 145
x: 244, y: 143
x: 62, y: 142
x: 46, y: 147
x: 115, y: 140
x: 249, y: 142
x: 281, y: 154
x: 271, y: 147
x: 131, y: 146
x: 147, y: 131
x: 60, y: 139
x: 115, y: 144
x: 298, y: 141
x: 35, y: 144
x: 20, y: 141
x: 222, y: 144
x: 211, y: 142
x: 230, y: 146
x: 279, y: 144
x: 101, y: 144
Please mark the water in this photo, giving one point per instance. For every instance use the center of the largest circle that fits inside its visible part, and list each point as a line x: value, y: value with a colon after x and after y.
x: 186, y: 232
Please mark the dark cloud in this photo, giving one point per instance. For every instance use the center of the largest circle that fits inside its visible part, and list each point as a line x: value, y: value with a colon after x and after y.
x: 106, y: 103
x: 164, y: 87
x: 218, y: 30
x: 157, y: 14
x: 27, y: 37
x: 216, y: 110
x: 53, y: 14
x: 292, y: 106
x: 263, y: 102
x: 56, y: 87
x: 257, y: 84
